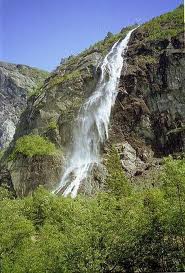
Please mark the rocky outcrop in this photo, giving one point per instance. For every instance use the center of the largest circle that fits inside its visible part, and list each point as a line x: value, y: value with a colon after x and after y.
x: 154, y: 108
x: 131, y: 162
x: 150, y: 115
x: 147, y: 120
x: 61, y: 97
x: 16, y: 83
x: 51, y: 113
x: 25, y: 173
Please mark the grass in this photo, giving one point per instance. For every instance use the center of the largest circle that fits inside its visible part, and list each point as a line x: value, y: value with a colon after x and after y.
x: 53, y: 81
x: 146, y: 59
x: 33, y: 72
x: 58, y: 79
x: 105, y: 45
x: 167, y: 25
x: 31, y: 145
x: 37, y: 90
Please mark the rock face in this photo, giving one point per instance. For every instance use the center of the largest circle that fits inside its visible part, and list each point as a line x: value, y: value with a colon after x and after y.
x: 130, y: 161
x: 16, y: 82
x: 148, y: 117
x: 154, y: 109
x: 52, y: 115
x: 61, y: 97
x: 27, y: 173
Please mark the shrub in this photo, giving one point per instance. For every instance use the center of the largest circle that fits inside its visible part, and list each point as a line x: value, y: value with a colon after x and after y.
x: 37, y: 90
x: 31, y: 145
x: 52, y: 125
x: 117, y: 181
x: 110, y: 232
x: 5, y: 194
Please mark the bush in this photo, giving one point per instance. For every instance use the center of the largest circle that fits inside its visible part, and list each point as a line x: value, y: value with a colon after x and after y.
x: 5, y: 194
x: 31, y: 145
x: 52, y: 125
x: 36, y: 91
x: 116, y: 182
x: 135, y: 232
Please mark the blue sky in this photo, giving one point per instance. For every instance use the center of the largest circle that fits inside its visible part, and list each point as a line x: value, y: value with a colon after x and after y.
x: 41, y: 32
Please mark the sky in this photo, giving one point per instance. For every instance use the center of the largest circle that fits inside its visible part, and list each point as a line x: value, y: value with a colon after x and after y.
x: 41, y: 32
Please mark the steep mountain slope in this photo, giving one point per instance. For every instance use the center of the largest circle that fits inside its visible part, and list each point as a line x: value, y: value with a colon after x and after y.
x: 147, y: 120
x: 16, y: 82
x: 151, y: 117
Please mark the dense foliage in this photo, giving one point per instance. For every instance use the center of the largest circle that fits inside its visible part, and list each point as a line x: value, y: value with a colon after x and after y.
x: 137, y: 231
x: 30, y: 145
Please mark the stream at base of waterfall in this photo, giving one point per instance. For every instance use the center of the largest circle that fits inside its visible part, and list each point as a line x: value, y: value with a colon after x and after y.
x: 91, y: 129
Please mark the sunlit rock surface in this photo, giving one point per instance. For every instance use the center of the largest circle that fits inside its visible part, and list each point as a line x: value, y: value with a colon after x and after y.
x: 16, y: 83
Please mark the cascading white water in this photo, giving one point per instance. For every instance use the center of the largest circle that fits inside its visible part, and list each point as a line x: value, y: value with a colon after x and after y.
x: 92, y: 122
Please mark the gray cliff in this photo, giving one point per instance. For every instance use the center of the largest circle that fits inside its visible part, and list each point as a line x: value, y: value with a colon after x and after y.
x: 16, y: 82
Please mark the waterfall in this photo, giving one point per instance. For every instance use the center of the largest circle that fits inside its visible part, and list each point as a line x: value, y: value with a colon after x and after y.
x: 91, y: 129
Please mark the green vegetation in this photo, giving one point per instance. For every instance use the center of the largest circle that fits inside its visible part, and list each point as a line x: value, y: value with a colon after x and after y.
x: 116, y: 182
x: 105, y: 45
x: 176, y: 130
x: 36, y: 74
x: 137, y: 231
x: 58, y: 79
x: 124, y: 229
x: 5, y: 194
x: 40, y: 76
x: 1, y: 153
x: 33, y: 72
x: 37, y: 90
x: 146, y: 59
x: 164, y: 26
x: 31, y: 145
x: 52, y: 125
x: 108, y: 43
x: 167, y: 25
x: 102, y: 46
